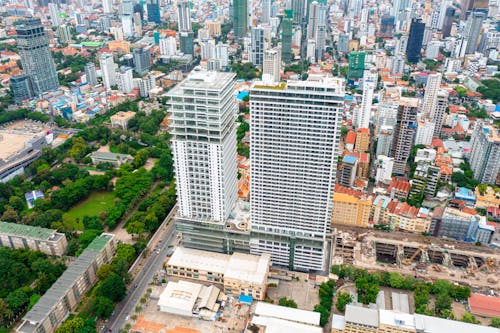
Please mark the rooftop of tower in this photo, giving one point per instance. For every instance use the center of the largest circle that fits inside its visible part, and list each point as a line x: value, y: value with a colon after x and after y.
x: 317, y: 83
x: 204, y: 79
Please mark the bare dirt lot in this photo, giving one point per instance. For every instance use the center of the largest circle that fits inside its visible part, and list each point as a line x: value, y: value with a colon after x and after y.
x: 305, y: 294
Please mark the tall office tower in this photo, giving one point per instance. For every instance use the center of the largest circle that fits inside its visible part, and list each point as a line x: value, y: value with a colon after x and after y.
x: 186, y: 39
x: 125, y: 80
x: 298, y: 9
x: 386, y: 116
x: 107, y: 6
x: 139, y: 9
x: 204, y: 150
x: 343, y: 44
x: 54, y: 14
x: 286, y: 37
x: 384, y: 141
x: 142, y: 60
x: 362, y: 117
x: 257, y: 46
x: 108, y: 69
x: 207, y: 49
x: 240, y: 16
x: 387, y: 23
x: 321, y: 33
x: 439, y: 111
x: 153, y: 8
x: 473, y: 29
x: 443, y: 7
x: 137, y: 24
x: 312, y: 24
x: 127, y: 25
x: 33, y: 46
x: 91, y: 74
x: 266, y: 11
x: 311, y: 50
x: 295, y: 132
x: 431, y: 91
x: 404, y: 133
x: 271, y: 69
x: 184, y: 14
x: 448, y: 22
x: 21, y: 88
x: 415, y: 39
x: 485, y: 153
x: 168, y: 46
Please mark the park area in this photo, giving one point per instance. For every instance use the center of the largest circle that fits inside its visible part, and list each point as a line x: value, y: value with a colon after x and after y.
x: 96, y: 203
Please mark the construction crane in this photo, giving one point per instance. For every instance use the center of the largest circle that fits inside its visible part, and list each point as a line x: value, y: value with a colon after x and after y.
x: 490, y: 265
x: 414, y: 255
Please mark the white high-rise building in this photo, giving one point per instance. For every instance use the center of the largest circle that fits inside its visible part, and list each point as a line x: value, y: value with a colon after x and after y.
x: 266, y: 11
x: 117, y: 32
x: 204, y: 109
x: 54, y: 14
x: 311, y: 50
x: 294, y: 149
x: 128, y: 26
x: 207, y: 49
x: 125, y: 80
x: 431, y: 91
x: 439, y: 111
x: 485, y: 152
x: 222, y: 54
x: 107, y: 6
x: 184, y: 16
x: 384, y: 166
x: 146, y: 84
x: 425, y: 132
x: 108, y: 69
x: 362, y: 117
x: 271, y: 70
x: 168, y: 46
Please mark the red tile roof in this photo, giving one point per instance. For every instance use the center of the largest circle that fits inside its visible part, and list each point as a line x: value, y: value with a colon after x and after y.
x: 350, y: 138
x: 399, y: 184
x: 484, y: 305
x: 437, y: 143
x: 364, y: 130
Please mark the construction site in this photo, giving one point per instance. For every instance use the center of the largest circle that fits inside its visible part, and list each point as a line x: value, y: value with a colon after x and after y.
x: 427, y: 258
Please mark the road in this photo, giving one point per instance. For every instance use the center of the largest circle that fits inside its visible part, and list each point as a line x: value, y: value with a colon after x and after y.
x: 141, y: 282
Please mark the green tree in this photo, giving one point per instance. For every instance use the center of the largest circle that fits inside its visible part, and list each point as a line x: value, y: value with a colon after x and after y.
x: 78, y: 148
x: 442, y: 304
x: 6, y: 313
x: 495, y: 322
x: 16, y: 203
x: 140, y: 158
x: 469, y: 318
x: 367, y: 290
x: 342, y: 300
x: 102, y: 307
x: 289, y: 303
x: 71, y: 325
x: 135, y: 228
x: 17, y: 300
x: 113, y: 288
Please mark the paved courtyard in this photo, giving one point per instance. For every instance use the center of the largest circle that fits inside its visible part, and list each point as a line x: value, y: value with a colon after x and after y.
x: 305, y: 294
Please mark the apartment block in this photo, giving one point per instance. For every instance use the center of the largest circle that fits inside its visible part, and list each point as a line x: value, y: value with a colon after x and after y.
x: 20, y: 236
x: 351, y: 207
x: 362, y: 140
x: 294, y: 148
x: 404, y: 133
x: 485, y: 153
x: 65, y: 294
x: 239, y: 273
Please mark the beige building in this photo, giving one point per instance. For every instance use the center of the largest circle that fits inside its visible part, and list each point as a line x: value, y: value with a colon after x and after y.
x: 65, y: 294
x: 362, y: 140
x: 358, y: 319
x: 121, y: 119
x: 214, y: 28
x: 239, y: 273
x: 351, y: 207
x: 20, y: 236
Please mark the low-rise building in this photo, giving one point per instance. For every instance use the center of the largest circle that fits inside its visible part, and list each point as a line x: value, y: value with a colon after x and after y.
x: 488, y: 198
x: 121, y: 119
x: 20, y: 236
x: 105, y: 157
x: 33, y: 196
x: 270, y: 318
x: 239, y: 273
x: 351, y: 207
x: 358, y: 319
x: 485, y: 306
x: 458, y: 225
x: 464, y: 194
x: 190, y: 299
x: 399, y: 188
x: 65, y: 294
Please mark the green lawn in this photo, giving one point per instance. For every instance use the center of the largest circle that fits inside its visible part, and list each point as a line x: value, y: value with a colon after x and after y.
x: 97, y: 202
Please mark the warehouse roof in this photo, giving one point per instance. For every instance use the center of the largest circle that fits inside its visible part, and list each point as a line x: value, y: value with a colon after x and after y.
x: 22, y: 230
x: 285, y: 313
x: 361, y: 315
